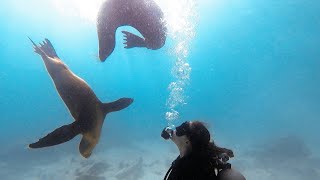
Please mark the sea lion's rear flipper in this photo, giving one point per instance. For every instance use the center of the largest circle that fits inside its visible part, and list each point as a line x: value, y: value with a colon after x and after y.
x: 58, y: 136
x: 45, y: 48
x: 116, y: 105
x: 132, y: 40
x: 37, y: 49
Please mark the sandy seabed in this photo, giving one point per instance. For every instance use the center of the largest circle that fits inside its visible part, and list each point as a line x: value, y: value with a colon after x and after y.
x: 144, y: 162
x: 150, y: 160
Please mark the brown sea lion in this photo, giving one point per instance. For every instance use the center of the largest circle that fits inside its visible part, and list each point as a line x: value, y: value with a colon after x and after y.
x: 87, y: 110
x: 144, y: 15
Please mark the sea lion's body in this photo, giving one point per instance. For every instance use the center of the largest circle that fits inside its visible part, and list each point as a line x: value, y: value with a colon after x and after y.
x: 144, y: 15
x: 87, y: 110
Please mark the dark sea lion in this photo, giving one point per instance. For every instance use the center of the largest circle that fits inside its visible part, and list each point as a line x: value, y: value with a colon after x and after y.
x: 87, y: 110
x: 144, y: 15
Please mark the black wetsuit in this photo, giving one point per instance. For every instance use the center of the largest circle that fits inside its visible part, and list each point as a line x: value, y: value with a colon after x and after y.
x: 191, y: 167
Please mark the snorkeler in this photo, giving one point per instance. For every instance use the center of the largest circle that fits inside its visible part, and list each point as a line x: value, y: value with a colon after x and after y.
x: 199, y: 157
x: 144, y: 15
x: 87, y: 110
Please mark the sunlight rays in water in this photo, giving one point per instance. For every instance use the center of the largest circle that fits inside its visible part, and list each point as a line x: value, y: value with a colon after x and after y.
x: 86, y: 10
x: 181, y: 18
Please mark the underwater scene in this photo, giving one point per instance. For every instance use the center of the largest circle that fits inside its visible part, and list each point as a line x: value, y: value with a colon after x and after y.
x: 98, y: 89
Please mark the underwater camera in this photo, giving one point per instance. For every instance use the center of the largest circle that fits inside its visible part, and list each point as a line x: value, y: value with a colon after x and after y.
x: 222, y: 161
x: 167, y: 132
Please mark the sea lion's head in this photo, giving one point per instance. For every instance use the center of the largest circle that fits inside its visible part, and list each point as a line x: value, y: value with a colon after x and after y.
x: 106, y: 45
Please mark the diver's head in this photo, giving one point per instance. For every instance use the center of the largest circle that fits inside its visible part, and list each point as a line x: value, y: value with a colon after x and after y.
x: 196, y: 132
x: 190, y: 135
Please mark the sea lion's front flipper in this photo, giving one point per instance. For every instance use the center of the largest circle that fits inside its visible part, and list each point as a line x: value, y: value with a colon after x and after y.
x: 47, y: 47
x: 116, y: 105
x: 132, y: 40
x: 58, y: 136
x: 37, y: 49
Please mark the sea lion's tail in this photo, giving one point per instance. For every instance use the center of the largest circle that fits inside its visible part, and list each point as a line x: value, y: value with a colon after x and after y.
x: 116, y: 105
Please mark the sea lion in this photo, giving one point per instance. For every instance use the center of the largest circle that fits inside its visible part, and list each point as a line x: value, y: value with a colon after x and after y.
x: 87, y: 110
x: 144, y: 15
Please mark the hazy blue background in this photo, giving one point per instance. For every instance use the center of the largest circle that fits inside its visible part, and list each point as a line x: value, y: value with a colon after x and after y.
x: 255, y: 80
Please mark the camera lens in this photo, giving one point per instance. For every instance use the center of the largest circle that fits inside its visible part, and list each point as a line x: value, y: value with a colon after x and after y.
x: 167, y: 132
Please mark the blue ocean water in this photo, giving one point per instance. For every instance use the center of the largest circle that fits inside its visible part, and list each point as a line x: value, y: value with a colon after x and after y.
x: 253, y: 76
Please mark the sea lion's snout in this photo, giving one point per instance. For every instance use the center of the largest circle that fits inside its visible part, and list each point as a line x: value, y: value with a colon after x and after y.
x: 102, y: 58
x: 106, y: 45
x: 102, y: 55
